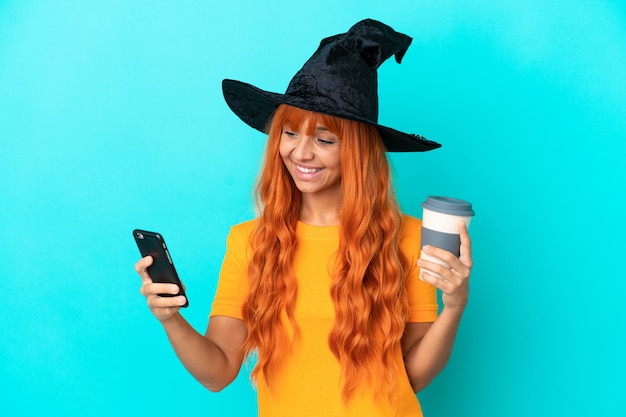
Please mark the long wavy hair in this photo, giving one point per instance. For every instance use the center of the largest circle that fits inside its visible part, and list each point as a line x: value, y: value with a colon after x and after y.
x: 368, y: 286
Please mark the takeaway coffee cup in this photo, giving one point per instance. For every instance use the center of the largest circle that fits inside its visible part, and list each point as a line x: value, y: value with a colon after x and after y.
x: 440, y: 225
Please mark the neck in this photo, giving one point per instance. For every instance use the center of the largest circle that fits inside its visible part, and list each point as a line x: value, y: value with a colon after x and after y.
x: 320, y: 211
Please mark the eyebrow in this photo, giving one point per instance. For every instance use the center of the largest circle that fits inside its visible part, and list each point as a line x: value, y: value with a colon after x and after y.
x: 325, y: 129
x: 317, y: 128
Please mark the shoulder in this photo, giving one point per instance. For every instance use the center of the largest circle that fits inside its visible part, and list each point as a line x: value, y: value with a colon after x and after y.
x: 411, y: 226
x: 244, y: 228
x: 410, y: 236
x: 240, y: 233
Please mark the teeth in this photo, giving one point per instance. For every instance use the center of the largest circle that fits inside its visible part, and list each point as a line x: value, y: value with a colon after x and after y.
x: 307, y: 170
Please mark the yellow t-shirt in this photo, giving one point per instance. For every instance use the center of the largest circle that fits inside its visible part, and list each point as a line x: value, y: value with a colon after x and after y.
x: 309, y: 384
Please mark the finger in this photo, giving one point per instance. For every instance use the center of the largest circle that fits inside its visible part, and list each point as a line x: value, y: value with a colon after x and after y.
x: 142, y: 268
x: 156, y: 301
x: 160, y: 288
x: 440, y: 283
x: 454, y: 294
x: 446, y: 256
x: 466, y: 245
x: 456, y: 264
x: 143, y: 264
x: 436, y: 268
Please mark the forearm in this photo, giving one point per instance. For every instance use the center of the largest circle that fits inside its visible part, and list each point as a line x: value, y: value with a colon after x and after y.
x: 202, y: 357
x: 428, y: 357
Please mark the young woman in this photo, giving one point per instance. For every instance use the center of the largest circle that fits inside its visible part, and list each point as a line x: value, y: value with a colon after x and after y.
x: 324, y: 290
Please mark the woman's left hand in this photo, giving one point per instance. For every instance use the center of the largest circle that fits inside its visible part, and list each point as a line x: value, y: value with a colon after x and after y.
x: 453, y: 281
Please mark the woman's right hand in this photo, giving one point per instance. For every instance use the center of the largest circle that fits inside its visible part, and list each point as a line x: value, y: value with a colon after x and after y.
x: 163, y: 308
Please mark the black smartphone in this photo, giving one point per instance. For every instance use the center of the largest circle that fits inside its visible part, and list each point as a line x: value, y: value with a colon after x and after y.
x: 162, y: 269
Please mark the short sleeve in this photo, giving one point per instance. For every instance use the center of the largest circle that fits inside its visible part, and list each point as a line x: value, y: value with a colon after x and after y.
x: 422, y: 296
x: 232, y: 287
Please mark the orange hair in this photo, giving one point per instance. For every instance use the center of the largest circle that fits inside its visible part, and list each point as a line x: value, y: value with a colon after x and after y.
x: 368, y: 287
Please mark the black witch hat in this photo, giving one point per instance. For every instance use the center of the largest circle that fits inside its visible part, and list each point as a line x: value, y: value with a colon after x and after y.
x: 340, y: 79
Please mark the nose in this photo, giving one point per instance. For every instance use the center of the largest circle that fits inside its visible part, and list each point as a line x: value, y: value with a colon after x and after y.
x: 302, y: 150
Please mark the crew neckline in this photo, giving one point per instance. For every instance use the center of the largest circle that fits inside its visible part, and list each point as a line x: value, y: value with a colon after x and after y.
x: 319, y: 232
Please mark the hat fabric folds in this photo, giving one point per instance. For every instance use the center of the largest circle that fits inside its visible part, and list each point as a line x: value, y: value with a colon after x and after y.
x: 340, y: 79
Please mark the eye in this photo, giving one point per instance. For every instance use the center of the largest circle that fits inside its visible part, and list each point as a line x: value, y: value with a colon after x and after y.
x: 288, y: 132
x: 325, y: 137
x: 326, y: 142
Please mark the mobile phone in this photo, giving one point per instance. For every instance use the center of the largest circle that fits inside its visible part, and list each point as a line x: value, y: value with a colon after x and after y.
x: 162, y: 269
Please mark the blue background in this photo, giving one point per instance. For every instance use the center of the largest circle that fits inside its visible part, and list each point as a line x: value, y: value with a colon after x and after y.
x: 112, y: 118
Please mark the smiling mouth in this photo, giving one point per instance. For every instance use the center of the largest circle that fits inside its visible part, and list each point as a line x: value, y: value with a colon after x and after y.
x: 307, y: 170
